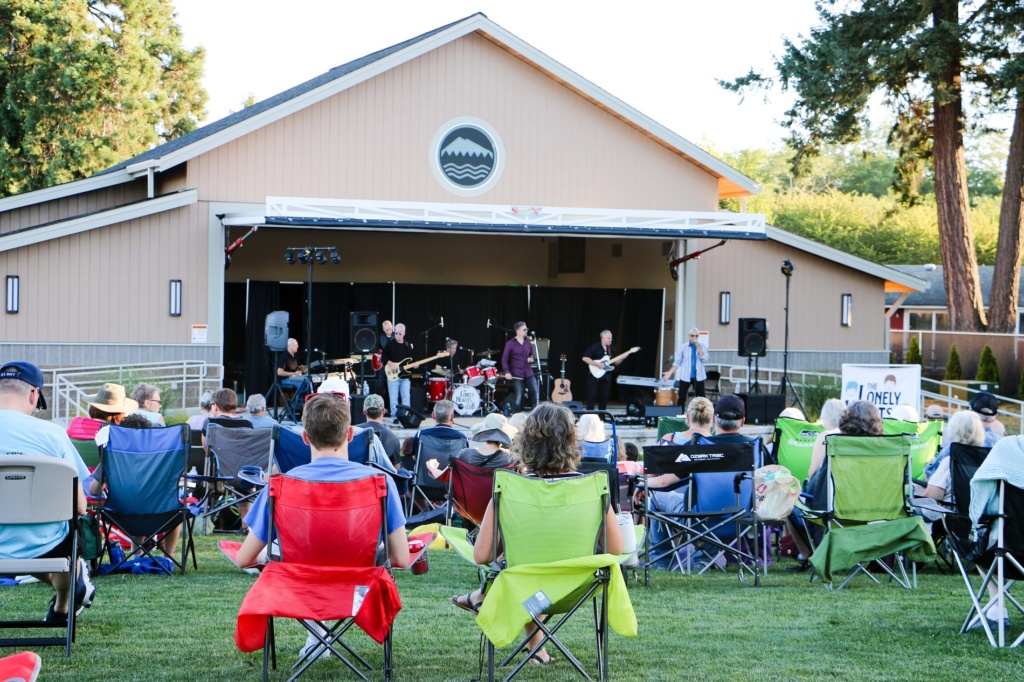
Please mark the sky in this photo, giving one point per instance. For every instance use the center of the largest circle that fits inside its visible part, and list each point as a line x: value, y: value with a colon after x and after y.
x: 660, y: 57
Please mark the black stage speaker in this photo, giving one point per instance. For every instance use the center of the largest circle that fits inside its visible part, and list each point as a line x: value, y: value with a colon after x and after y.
x: 652, y: 412
x: 275, y: 331
x: 763, y: 408
x: 364, y: 332
x: 357, y: 409
x: 418, y: 398
x: 753, y: 342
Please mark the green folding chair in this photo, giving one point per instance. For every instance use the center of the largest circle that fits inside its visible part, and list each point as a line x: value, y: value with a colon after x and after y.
x: 551, y: 531
x: 867, y: 512
x: 925, y: 441
x: 794, y: 443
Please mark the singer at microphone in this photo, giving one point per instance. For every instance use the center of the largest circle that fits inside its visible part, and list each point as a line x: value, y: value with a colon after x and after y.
x: 516, y: 361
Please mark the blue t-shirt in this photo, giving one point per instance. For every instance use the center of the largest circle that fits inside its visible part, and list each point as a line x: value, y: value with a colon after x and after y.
x: 22, y: 434
x: 324, y: 469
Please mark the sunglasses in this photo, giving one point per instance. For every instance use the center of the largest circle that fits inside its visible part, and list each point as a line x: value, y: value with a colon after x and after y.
x: 336, y: 394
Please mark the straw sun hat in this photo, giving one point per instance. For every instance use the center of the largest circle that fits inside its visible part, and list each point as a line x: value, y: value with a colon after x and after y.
x: 110, y: 398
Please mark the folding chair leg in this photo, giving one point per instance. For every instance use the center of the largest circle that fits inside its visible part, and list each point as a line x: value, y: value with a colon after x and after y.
x: 387, y: 654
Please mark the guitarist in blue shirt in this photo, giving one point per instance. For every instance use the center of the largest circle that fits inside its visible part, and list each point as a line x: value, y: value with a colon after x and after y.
x: 599, y: 356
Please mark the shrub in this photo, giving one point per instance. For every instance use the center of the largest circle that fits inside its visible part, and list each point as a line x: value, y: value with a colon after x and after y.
x: 913, y: 356
x: 815, y: 391
x: 953, y: 369
x: 988, y: 369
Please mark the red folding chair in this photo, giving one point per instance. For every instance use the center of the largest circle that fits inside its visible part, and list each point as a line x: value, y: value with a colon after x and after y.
x: 325, y: 567
x: 469, y: 490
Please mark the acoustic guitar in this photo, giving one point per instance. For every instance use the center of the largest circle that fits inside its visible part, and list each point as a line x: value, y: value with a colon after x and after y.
x: 401, y: 370
x: 561, y: 394
x: 598, y: 373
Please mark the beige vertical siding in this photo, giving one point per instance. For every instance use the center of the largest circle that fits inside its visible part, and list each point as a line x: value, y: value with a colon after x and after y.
x: 111, y: 285
x: 372, y: 142
x: 751, y: 272
x: 72, y: 206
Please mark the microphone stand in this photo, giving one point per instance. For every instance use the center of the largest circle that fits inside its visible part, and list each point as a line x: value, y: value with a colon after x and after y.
x: 426, y: 334
x: 540, y: 373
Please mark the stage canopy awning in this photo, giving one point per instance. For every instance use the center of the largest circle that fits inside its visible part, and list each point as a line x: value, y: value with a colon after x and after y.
x: 539, y: 221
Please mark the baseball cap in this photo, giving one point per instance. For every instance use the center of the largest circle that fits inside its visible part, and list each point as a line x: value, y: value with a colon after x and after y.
x: 373, y: 402
x: 28, y: 373
x: 730, y: 407
x: 985, y: 403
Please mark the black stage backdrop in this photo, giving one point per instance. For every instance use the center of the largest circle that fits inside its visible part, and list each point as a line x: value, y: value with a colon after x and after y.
x: 570, y: 318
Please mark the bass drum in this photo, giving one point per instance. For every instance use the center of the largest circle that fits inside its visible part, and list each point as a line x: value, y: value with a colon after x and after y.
x: 466, y: 399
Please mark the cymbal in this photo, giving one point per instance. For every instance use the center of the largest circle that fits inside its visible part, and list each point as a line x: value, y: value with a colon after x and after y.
x: 440, y: 372
x: 487, y: 352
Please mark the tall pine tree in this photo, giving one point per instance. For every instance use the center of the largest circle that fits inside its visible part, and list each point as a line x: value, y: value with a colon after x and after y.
x: 85, y: 84
x: 915, y: 55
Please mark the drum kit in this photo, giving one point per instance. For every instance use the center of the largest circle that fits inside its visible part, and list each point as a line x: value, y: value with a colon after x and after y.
x: 464, y: 389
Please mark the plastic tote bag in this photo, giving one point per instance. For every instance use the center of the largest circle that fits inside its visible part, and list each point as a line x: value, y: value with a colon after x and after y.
x: 775, y: 492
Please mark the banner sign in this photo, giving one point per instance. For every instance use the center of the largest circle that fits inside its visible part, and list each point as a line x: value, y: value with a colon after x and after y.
x: 886, y: 386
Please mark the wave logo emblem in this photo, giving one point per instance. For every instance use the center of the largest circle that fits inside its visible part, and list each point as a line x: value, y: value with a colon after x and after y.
x: 467, y: 156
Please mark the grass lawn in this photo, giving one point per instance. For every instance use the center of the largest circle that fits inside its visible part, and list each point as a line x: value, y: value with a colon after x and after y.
x: 707, y: 628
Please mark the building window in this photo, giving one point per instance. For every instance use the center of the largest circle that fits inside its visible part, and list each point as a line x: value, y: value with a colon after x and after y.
x: 846, y: 310
x: 724, y: 307
x: 13, y: 294
x: 175, y: 298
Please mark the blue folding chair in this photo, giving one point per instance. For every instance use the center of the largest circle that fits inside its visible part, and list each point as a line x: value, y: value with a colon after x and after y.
x: 289, y: 450
x: 144, y: 470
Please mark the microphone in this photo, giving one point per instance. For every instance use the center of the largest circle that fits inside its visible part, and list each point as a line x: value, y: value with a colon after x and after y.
x: 533, y: 334
x: 488, y: 323
x: 447, y: 339
x: 442, y: 322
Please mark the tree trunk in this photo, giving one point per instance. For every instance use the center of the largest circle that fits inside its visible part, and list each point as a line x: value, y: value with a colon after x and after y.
x: 1002, y: 303
x: 956, y: 238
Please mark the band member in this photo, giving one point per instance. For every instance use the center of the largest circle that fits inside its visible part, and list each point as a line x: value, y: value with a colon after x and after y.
x: 516, y: 360
x: 598, y: 389
x: 396, y: 351
x: 690, y: 361
x: 386, y: 334
x: 292, y: 374
x: 452, y: 346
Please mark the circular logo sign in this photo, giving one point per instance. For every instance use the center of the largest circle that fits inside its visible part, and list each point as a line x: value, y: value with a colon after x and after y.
x: 467, y: 156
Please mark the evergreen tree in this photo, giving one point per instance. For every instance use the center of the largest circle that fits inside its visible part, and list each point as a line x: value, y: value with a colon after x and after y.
x: 916, y: 55
x: 953, y: 369
x: 988, y: 368
x: 913, y: 356
x: 85, y: 84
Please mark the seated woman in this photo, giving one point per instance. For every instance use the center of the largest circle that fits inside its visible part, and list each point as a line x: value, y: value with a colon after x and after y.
x: 860, y: 418
x: 628, y: 461
x: 493, y: 436
x: 593, y: 443
x: 964, y: 427
x: 700, y: 415
x: 546, y: 448
x: 196, y: 421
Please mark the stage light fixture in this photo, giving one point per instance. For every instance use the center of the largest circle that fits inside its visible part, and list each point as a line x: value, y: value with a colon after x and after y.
x: 335, y: 258
x: 289, y: 257
x: 321, y: 257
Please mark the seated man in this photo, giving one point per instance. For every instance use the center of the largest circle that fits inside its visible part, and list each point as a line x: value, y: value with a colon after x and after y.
x: 256, y: 412
x: 327, y: 431
x: 21, y: 393
x: 444, y: 414
x: 494, y: 435
x: 222, y: 412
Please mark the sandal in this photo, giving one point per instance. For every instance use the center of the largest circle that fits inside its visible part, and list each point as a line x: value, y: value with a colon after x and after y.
x: 464, y: 603
x: 537, y: 660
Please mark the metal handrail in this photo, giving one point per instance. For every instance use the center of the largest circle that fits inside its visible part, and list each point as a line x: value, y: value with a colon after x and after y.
x: 72, y: 384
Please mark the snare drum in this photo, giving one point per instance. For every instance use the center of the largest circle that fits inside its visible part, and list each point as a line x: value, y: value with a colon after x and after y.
x: 665, y: 397
x: 490, y: 375
x: 474, y: 376
x: 437, y: 389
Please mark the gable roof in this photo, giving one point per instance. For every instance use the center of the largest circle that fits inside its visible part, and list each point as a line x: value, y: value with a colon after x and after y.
x: 935, y: 295
x: 731, y: 183
x: 895, y: 278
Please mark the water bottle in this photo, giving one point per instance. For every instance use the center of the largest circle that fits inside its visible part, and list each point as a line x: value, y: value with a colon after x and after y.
x: 366, y: 388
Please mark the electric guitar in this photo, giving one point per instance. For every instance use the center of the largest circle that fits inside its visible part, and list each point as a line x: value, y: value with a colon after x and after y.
x: 400, y: 370
x: 598, y: 373
x: 375, y: 360
x: 561, y: 394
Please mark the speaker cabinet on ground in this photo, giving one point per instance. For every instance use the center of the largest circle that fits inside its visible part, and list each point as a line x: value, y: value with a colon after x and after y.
x: 418, y: 398
x: 763, y: 408
x: 753, y: 341
x: 357, y: 409
x: 364, y: 332
x: 652, y: 412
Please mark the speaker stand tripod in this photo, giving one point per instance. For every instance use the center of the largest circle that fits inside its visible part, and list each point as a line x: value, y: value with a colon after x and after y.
x: 753, y: 387
x: 276, y: 392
